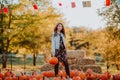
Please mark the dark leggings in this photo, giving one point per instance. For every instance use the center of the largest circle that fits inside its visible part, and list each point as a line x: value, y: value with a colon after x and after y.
x: 66, y: 68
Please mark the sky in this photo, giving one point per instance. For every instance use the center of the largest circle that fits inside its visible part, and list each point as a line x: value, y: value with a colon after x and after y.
x: 80, y: 16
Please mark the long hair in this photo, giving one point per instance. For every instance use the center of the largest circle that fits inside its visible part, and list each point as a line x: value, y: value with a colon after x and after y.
x: 62, y: 31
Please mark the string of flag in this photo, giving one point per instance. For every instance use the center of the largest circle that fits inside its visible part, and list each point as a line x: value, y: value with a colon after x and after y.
x: 86, y: 3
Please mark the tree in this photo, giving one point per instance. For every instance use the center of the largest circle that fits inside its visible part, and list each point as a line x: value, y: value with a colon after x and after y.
x: 22, y: 27
x: 112, y: 31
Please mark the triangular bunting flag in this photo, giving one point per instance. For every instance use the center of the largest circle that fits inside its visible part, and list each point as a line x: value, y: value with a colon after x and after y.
x: 35, y: 6
x: 60, y: 4
x: 86, y: 3
x: 5, y: 10
x: 107, y: 2
x: 73, y: 5
x: 118, y: 2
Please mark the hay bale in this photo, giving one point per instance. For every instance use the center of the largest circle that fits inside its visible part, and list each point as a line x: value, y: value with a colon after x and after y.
x: 75, y: 54
x: 47, y: 67
x: 72, y: 61
x: 86, y: 61
x: 95, y: 68
x: 74, y: 66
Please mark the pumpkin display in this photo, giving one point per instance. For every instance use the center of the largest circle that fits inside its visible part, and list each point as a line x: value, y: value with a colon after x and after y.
x: 53, y: 61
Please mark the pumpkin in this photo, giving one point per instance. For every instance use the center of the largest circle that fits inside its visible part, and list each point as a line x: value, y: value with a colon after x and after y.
x: 76, y: 78
x: 72, y: 73
x: 48, y: 73
x: 116, y: 77
x: 57, y: 78
x: 108, y: 74
x: 21, y: 77
x: 90, y: 71
x: 0, y: 78
x: 76, y: 72
x: 8, y: 78
x: 53, y: 61
x: 62, y: 73
x: 14, y: 78
x: 38, y: 77
x: 27, y: 77
x: 103, y: 77
x: 7, y: 74
x: 82, y: 75
x: 1, y: 75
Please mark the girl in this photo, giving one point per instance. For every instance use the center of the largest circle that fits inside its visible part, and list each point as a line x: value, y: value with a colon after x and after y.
x: 59, y: 48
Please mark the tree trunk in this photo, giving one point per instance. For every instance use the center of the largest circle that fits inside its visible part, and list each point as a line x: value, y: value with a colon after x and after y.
x: 117, y: 66
x: 4, y: 60
x: 34, y: 59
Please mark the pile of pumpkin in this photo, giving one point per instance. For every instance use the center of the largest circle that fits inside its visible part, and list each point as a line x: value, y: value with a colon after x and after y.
x: 50, y: 75
x: 80, y: 75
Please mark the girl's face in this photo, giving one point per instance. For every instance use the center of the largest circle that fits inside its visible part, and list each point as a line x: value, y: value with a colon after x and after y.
x: 59, y: 28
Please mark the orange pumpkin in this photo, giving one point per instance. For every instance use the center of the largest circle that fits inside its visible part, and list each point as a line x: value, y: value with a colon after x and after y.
x: 57, y: 78
x: 53, y: 61
x: 76, y: 78
x: 90, y: 71
x: 21, y: 77
x: 48, y: 73
x: 82, y: 75
x: 72, y: 73
x: 27, y: 77
x: 14, y: 78
x: 108, y: 74
x: 103, y: 77
x: 38, y: 77
x: 7, y: 74
x: 8, y: 78
x: 62, y: 73
x: 1, y: 75
x: 0, y: 78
